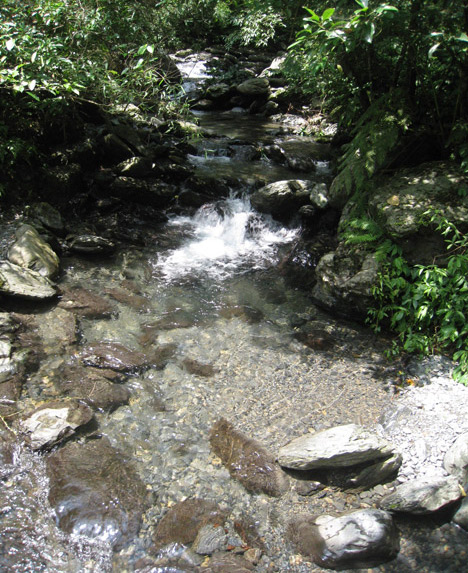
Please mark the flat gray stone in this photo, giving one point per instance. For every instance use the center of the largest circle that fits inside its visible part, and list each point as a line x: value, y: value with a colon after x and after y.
x: 336, y: 447
x: 423, y: 496
x: 24, y: 283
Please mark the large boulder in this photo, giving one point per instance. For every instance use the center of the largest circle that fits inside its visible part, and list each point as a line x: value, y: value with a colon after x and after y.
x: 254, y: 87
x: 364, y: 538
x: 399, y: 203
x: 96, y: 492
x: 345, y: 278
x: 283, y: 199
x: 32, y: 252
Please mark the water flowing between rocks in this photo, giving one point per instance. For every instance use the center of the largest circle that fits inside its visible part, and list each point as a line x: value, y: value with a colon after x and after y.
x: 236, y: 338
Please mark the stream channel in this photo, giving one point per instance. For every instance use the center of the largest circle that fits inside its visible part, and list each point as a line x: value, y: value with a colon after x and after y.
x: 212, y: 288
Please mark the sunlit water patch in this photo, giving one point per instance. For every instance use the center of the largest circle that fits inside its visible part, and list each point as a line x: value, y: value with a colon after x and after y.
x: 222, y: 239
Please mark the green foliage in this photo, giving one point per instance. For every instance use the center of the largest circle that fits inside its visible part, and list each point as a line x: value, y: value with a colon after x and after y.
x: 426, y: 306
x: 376, y: 136
x: 361, y: 230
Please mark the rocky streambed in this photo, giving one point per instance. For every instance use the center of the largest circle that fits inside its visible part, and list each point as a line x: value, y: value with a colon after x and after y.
x: 172, y: 398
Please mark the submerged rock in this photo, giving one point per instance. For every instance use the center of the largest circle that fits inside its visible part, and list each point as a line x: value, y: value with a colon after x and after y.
x: 184, y: 521
x: 83, y: 302
x: 54, y: 421
x: 341, y: 446
x: 423, y: 496
x: 24, y: 283
x: 90, y: 245
x: 96, y: 492
x: 32, y: 252
x: 114, y: 356
x: 282, y: 199
x: 364, y: 538
x: 247, y: 460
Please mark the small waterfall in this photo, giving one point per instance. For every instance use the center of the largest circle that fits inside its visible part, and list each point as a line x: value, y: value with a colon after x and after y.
x: 224, y: 237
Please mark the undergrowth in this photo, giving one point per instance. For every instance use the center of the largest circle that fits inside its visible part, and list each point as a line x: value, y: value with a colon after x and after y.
x: 426, y: 305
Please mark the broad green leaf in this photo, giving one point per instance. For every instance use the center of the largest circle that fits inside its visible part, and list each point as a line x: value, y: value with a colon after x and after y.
x: 142, y: 49
x: 150, y: 49
x: 32, y: 85
x: 33, y: 57
x: 328, y: 13
x: 313, y: 16
x: 462, y: 37
x: 369, y: 31
x: 10, y: 44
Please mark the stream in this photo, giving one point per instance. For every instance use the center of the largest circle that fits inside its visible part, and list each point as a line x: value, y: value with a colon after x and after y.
x: 210, y: 287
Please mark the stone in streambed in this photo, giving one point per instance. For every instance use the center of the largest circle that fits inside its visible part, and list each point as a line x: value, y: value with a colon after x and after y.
x: 341, y: 446
x: 247, y: 460
x: 24, y: 283
x: 30, y: 251
x: 461, y: 516
x: 364, y: 538
x: 114, y: 356
x: 54, y: 421
x: 183, y: 522
x: 90, y: 245
x: 198, y: 368
x: 96, y: 492
x: 85, y: 303
x: 423, y: 496
x: 456, y: 459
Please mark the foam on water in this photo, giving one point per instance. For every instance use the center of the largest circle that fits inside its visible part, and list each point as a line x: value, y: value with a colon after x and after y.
x: 224, y: 237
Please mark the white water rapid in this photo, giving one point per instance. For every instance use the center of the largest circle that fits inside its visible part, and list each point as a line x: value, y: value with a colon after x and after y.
x: 221, y: 239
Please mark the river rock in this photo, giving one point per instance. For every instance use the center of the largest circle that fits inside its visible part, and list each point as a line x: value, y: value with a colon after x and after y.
x: 32, y: 252
x: 54, y: 421
x: 183, y: 522
x: 254, y: 87
x: 210, y: 538
x: 57, y: 329
x: 228, y: 563
x: 361, y: 539
x: 90, y: 385
x: 461, y: 515
x: 85, y: 303
x: 247, y: 460
x: 336, y: 447
x: 90, y: 245
x: 345, y: 278
x: 114, y: 356
x: 282, y: 199
x: 24, y: 283
x: 399, y: 203
x: 456, y: 459
x: 47, y: 216
x: 423, y: 496
x: 198, y: 368
x: 96, y: 491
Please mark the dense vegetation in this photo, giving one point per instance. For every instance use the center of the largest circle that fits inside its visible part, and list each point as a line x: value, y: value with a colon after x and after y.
x: 393, y: 76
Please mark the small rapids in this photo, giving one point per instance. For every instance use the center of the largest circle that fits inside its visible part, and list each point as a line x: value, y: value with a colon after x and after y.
x: 224, y: 238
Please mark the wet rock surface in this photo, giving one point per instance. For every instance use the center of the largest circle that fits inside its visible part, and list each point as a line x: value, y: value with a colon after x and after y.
x: 96, y: 492
x: 21, y: 282
x: 363, y: 538
x: 247, y: 461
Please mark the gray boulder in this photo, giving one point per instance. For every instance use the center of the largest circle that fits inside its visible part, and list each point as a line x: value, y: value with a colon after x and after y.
x: 364, y: 538
x: 283, y: 199
x: 423, y: 496
x: 47, y: 216
x: 336, y: 447
x: 344, y: 282
x: 456, y: 459
x: 90, y: 245
x: 24, y: 283
x: 32, y: 252
x: 254, y: 87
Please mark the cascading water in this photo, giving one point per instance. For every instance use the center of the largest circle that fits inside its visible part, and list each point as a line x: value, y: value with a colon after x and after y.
x: 223, y: 238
